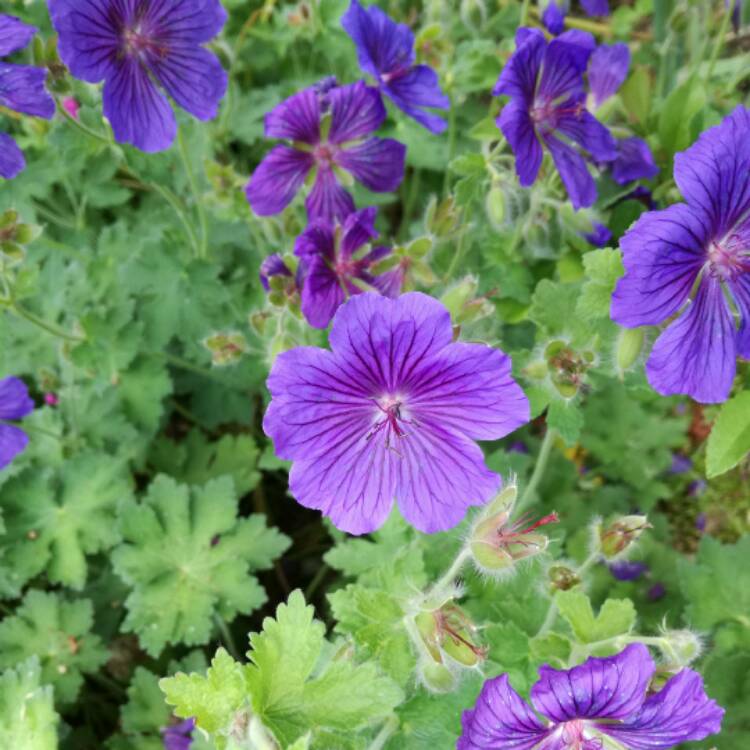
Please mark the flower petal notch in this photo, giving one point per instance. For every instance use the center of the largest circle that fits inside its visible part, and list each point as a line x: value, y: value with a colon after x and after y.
x: 385, y: 50
x: 392, y: 412
x: 140, y: 51
x: 344, y: 144
x: 547, y: 107
x: 693, y: 259
x: 603, y: 698
x: 21, y: 90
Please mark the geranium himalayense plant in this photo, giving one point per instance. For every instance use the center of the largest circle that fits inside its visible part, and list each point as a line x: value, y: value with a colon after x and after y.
x: 374, y: 375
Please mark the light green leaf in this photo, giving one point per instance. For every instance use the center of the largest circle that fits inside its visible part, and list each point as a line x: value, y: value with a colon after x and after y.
x: 603, y: 268
x: 188, y: 559
x: 616, y: 616
x: 729, y: 441
x: 27, y: 715
x: 58, y: 632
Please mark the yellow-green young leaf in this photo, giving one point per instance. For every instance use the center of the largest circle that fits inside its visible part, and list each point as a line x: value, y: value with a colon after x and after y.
x: 636, y: 94
x: 27, y: 715
x: 188, y: 557
x: 678, y: 112
x: 603, y: 268
x: 214, y: 699
x: 58, y: 632
x: 729, y: 441
x: 616, y: 617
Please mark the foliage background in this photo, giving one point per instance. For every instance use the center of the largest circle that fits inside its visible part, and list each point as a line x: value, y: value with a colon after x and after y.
x: 148, y: 523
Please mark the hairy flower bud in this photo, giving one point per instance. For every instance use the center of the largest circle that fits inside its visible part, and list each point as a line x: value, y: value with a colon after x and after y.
x: 562, y: 578
x: 448, y: 632
x: 495, y: 206
x: 567, y: 367
x: 681, y: 647
x: 629, y: 347
x: 621, y: 534
x: 226, y: 348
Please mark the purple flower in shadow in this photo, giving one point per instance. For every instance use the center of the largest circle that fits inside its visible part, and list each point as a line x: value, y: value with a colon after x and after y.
x: 15, y: 404
x: 342, y: 143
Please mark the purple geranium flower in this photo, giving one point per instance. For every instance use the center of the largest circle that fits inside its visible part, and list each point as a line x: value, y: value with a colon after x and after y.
x: 627, y: 570
x: 139, y: 48
x: 603, y: 697
x: 385, y: 50
x: 179, y: 736
x: 548, y: 106
x: 634, y: 161
x: 355, y: 111
x: 273, y: 265
x: 392, y: 412
x: 21, y: 89
x: 599, y: 236
x: 698, y: 249
x: 15, y: 404
x: 333, y: 262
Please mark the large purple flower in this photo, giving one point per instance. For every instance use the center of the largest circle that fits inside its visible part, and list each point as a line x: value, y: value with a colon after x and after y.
x: 698, y: 250
x: 385, y: 50
x: 138, y: 47
x: 392, y: 412
x: 601, y: 697
x: 548, y: 106
x: 334, y: 262
x: 355, y: 111
x: 21, y: 89
x: 15, y: 404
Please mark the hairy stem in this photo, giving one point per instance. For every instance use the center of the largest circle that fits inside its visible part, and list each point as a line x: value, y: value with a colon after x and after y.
x: 539, y: 469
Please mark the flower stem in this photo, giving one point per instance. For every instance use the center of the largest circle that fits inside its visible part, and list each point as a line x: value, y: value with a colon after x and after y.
x: 87, y: 131
x: 51, y: 328
x: 202, y: 248
x: 720, y: 39
x: 226, y: 636
x: 539, y: 468
x: 450, y: 575
x: 461, y: 249
x: 385, y: 733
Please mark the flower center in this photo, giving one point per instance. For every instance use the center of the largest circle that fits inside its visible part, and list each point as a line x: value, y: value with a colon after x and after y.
x: 574, y: 735
x: 391, y: 420
x: 325, y: 154
x: 546, y: 112
x: 136, y: 41
x: 728, y: 258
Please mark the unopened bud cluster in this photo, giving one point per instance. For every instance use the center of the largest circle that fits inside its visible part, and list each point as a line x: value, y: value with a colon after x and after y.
x: 617, y: 537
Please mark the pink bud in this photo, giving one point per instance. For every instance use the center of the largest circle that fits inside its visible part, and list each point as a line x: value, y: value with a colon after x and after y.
x: 71, y: 106
x: 51, y: 399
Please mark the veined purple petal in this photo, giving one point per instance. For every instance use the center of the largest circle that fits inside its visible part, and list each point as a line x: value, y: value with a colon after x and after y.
x: 634, y: 161
x: 383, y: 46
x: 378, y: 163
x: 22, y: 89
x: 356, y: 111
x: 88, y: 36
x: 596, y: 7
x: 518, y: 78
x: 516, y: 125
x: 358, y: 229
x: 581, y: 127
x: 317, y: 239
x: 11, y: 158
x: 15, y: 402
x: 327, y: 199
x: 415, y: 90
x: 714, y: 173
x: 500, y: 719
x: 184, y: 23
x: 138, y: 112
x: 322, y: 292
x: 194, y: 78
x: 613, y: 687
x: 608, y: 68
x: 680, y: 712
x: 573, y: 172
x: 277, y: 179
x: 740, y: 289
x: 599, y: 236
x: 553, y: 18
x: 12, y: 442
x: 296, y: 118
x: 663, y: 254
x: 14, y: 34
x: 696, y: 354
x: 565, y: 61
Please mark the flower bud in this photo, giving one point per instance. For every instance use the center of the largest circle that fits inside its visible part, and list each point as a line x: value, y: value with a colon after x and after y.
x: 436, y: 677
x: 442, y: 219
x: 562, y: 578
x: 629, y: 347
x: 567, y: 367
x: 459, y: 294
x: 497, y: 543
x: 681, y: 647
x: 495, y: 207
x: 621, y: 534
x: 226, y: 348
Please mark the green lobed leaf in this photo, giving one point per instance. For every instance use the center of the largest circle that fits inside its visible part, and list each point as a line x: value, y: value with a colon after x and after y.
x: 729, y: 441
x: 616, y: 616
